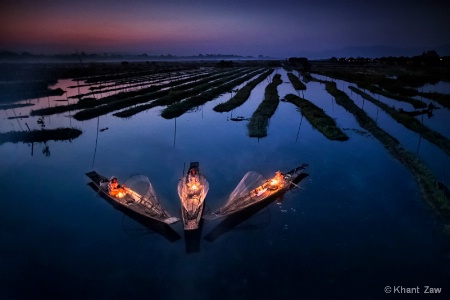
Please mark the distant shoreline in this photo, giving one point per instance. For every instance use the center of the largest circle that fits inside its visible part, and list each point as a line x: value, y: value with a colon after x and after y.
x: 8, y: 56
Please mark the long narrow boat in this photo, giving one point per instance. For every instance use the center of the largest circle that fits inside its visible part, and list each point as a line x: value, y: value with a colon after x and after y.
x: 428, y: 111
x: 253, y: 188
x: 143, y: 202
x: 192, y: 190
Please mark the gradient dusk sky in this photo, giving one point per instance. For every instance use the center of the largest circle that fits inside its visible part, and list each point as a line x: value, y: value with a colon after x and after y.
x: 277, y: 28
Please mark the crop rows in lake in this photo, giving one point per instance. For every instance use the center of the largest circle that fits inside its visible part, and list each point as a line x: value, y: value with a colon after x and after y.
x: 180, y: 92
x: 134, y: 83
x: 151, y: 86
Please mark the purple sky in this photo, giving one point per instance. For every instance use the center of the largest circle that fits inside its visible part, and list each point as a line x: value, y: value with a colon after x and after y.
x: 277, y: 28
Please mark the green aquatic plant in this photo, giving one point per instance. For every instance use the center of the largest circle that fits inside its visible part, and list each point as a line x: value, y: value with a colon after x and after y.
x: 306, y: 76
x: 318, y: 118
x: 374, y: 82
x: 242, y: 95
x: 409, y: 122
x: 179, y: 108
x: 15, y: 105
x: 38, y: 136
x: 298, y: 85
x: 178, y: 91
x: 377, y: 90
x: 257, y: 126
x: 136, y: 84
x: 422, y: 174
x: 133, y: 97
x: 178, y: 94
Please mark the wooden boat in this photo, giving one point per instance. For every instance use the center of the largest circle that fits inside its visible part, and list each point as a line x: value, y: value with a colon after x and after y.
x: 145, y: 203
x: 192, y: 190
x: 253, y: 189
x: 230, y: 222
x: 428, y: 111
x: 239, y: 118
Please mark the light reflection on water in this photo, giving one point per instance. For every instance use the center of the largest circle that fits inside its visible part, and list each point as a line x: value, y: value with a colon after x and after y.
x: 359, y: 220
x: 442, y: 87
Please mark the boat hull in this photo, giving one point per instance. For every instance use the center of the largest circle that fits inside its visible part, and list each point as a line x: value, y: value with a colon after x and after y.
x: 190, y: 223
x: 253, y: 198
x: 128, y: 202
x: 192, y: 194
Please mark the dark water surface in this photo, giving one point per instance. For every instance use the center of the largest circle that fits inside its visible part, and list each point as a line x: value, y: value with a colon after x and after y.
x: 358, y: 223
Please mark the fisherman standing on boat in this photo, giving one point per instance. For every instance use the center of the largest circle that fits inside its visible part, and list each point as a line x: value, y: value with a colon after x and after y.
x: 193, y: 176
x: 193, y: 182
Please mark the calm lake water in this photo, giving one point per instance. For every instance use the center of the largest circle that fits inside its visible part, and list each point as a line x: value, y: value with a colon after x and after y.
x: 357, y: 224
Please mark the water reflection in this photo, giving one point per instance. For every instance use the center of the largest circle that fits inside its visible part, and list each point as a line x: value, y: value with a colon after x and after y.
x: 175, y: 132
x: 46, y: 150
x: 96, y: 142
x: 235, y: 219
x: 363, y: 205
x: 232, y: 221
x: 154, y: 226
x: 442, y: 87
x: 192, y: 238
x: 298, y: 131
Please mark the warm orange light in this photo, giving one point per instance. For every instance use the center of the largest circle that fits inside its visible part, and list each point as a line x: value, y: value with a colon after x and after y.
x: 274, y: 182
x: 194, y: 187
x: 120, y: 194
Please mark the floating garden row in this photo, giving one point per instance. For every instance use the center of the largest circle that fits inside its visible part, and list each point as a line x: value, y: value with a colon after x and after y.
x: 298, y: 85
x: 178, y: 94
x: 427, y: 182
x: 409, y: 122
x: 318, y: 118
x: 399, y: 88
x: 127, y: 75
x: 377, y: 90
x: 242, y: 95
x: 38, y: 136
x: 15, y: 105
x: 133, y: 85
x: 179, y: 108
x: 257, y: 126
x: 106, y: 100
x: 377, y: 84
x: 174, y: 93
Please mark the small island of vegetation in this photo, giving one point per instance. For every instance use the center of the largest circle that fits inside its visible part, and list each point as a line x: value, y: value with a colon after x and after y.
x: 298, y: 85
x: 257, y: 127
x: 242, y: 95
x: 40, y: 136
x: 318, y: 118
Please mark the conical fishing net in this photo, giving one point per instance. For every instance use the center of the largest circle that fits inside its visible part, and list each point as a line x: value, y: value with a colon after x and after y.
x: 141, y: 190
x: 249, y: 182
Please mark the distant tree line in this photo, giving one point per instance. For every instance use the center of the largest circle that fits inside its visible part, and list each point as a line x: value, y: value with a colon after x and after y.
x: 428, y: 58
x: 8, y: 55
